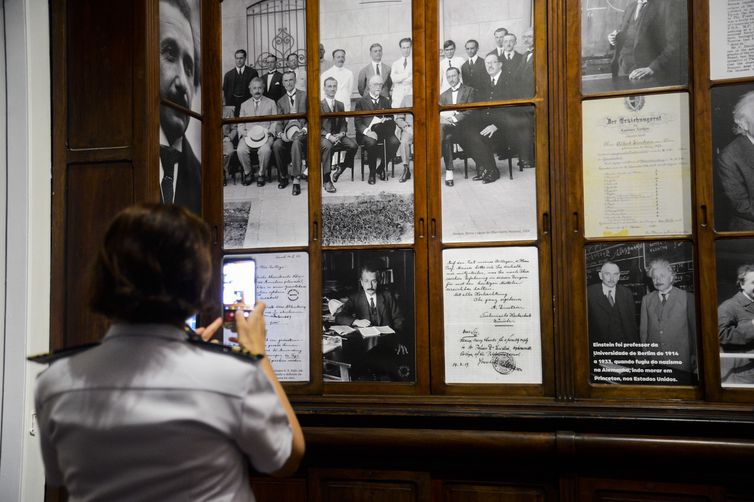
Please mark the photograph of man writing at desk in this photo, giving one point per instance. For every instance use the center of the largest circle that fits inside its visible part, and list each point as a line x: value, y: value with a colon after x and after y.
x: 375, y: 332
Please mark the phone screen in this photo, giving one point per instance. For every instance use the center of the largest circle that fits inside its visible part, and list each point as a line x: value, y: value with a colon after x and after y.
x: 239, y: 286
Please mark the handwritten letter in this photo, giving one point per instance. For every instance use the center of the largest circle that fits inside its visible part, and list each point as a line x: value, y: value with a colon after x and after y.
x: 492, y: 330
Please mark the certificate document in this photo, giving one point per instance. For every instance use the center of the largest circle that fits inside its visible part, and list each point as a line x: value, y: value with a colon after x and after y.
x: 492, y: 327
x: 636, y: 166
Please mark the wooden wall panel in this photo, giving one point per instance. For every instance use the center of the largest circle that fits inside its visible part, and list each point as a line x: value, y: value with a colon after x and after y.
x: 368, y: 486
x: 95, y: 193
x: 467, y: 492
x: 100, y: 66
x: 275, y: 490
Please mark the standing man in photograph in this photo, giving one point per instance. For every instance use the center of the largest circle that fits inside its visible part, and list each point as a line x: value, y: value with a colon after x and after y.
x: 236, y: 82
x: 735, y: 325
x: 736, y: 167
x: 449, y: 60
x: 650, y: 41
x: 290, y: 135
x: 611, y: 308
x: 180, y: 170
x: 375, y: 67
x: 324, y: 63
x: 291, y: 62
x: 668, y: 319
x: 473, y: 71
x: 343, y: 75
x: 526, y: 89
x: 257, y: 105
x: 498, y: 50
x: 402, y: 75
x: 372, y: 130
x: 512, y: 68
x: 333, y: 135
x: 273, y: 79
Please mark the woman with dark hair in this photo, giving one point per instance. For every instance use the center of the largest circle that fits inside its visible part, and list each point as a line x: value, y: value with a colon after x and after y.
x: 146, y: 415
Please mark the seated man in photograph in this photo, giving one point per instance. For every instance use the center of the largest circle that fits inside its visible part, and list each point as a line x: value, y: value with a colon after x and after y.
x: 343, y: 75
x: 371, y: 305
x: 404, y: 123
x: 256, y: 106
x: 236, y: 82
x: 735, y: 324
x: 460, y: 127
x: 285, y: 147
x: 375, y: 67
x: 449, y: 60
x: 333, y: 135
x: 473, y: 71
x: 372, y: 131
x: 736, y: 167
x: 230, y: 140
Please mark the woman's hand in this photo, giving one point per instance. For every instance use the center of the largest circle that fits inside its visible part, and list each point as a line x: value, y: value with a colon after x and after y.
x: 252, y: 332
x: 208, y: 332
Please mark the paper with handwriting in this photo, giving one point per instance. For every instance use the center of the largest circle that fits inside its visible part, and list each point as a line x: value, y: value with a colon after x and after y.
x: 491, y: 306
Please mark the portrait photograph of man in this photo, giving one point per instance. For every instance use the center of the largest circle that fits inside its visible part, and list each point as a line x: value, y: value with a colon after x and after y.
x: 265, y: 170
x: 180, y: 84
x: 735, y: 311
x: 641, y: 313
x: 368, y: 316
x: 633, y: 44
x: 733, y: 155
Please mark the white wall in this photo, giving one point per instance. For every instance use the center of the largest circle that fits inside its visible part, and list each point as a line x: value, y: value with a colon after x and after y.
x: 27, y: 291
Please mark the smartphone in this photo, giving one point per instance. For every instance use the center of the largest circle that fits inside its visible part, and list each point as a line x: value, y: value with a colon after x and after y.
x: 239, y: 288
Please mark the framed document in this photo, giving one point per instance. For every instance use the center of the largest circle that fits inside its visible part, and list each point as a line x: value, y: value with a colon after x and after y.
x: 492, y: 325
x: 636, y: 166
x: 731, y: 39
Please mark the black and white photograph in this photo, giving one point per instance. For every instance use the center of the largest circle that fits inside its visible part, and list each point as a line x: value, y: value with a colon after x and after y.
x: 361, y: 42
x: 735, y: 311
x: 263, y: 40
x: 180, y: 53
x: 641, y: 313
x: 491, y: 44
x: 368, y: 316
x: 368, y: 192
x: 180, y: 159
x: 489, y: 190
x: 180, y: 84
x: 633, y: 44
x: 733, y: 156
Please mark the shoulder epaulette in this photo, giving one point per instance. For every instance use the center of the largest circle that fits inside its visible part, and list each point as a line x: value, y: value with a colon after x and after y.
x: 232, y: 350
x: 51, y: 357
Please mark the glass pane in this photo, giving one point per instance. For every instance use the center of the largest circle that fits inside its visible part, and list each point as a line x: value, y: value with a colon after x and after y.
x: 491, y: 308
x: 282, y: 282
x: 489, y: 190
x: 265, y: 201
x: 363, y: 44
x: 497, y: 39
x: 180, y: 54
x: 180, y: 159
x: 368, y: 316
x: 735, y: 313
x: 263, y: 41
x: 637, y: 166
x: 641, y: 310
x: 733, y: 153
x: 627, y: 44
x: 368, y: 192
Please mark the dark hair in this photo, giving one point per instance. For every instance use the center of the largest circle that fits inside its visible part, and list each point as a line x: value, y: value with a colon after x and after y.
x: 370, y: 265
x: 448, y: 44
x: 476, y: 44
x: 407, y: 39
x: 154, y: 265
x: 240, y: 51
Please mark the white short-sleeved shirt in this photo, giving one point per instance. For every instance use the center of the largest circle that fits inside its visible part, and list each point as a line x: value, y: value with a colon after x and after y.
x: 148, y: 416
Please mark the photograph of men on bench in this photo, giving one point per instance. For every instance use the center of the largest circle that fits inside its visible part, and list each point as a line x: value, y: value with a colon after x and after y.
x: 368, y: 316
x: 265, y: 172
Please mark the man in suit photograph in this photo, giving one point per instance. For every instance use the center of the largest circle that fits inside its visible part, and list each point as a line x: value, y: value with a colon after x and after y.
x: 236, y: 82
x: 343, y: 75
x: 735, y: 327
x: 651, y: 41
x: 499, y: 36
x: 180, y: 170
x: 668, y: 319
x: 286, y: 148
x: 372, y: 130
x: 736, y: 168
x: 472, y: 70
x: 333, y: 135
x: 526, y: 87
x: 257, y: 105
x: 372, y: 305
x: 292, y: 64
x: 273, y: 79
x: 512, y: 68
x: 460, y: 127
x: 375, y: 67
x: 324, y: 63
x: 402, y: 76
x: 449, y: 60
x: 611, y: 308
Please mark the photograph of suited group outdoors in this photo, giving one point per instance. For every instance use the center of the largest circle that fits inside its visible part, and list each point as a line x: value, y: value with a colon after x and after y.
x: 487, y: 155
